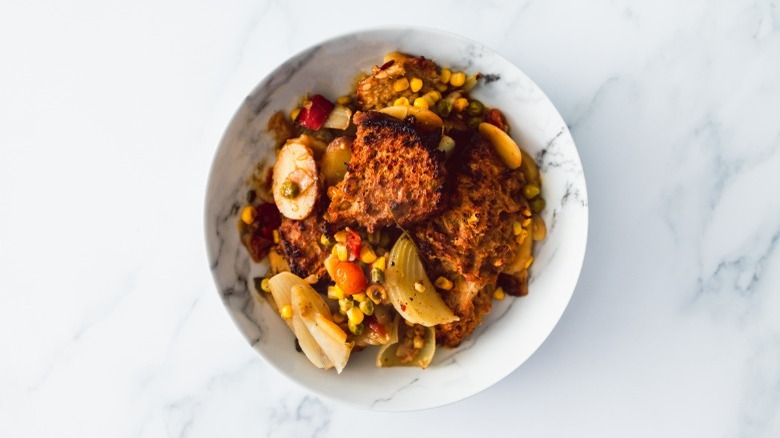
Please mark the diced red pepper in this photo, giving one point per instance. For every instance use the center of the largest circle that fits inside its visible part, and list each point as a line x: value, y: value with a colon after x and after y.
x: 493, y: 116
x: 268, y: 219
x: 353, y: 245
x: 258, y: 237
x: 315, y: 112
x: 375, y: 326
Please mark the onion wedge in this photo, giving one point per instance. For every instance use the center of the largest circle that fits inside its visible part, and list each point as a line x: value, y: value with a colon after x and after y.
x: 409, y: 289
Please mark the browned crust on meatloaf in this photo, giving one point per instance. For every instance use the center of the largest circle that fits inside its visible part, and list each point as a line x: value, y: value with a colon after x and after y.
x: 396, y: 175
x: 300, y: 244
x: 376, y: 91
x: 471, y: 239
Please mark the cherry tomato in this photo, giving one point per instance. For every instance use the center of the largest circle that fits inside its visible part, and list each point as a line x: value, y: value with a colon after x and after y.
x: 350, y: 278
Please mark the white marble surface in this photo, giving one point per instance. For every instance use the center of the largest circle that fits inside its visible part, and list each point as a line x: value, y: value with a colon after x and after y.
x: 109, y: 117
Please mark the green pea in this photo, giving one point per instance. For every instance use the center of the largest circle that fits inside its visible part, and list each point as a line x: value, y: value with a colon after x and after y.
x: 290, y: 190
x: 475, y: 108
x: 537, y: 205
x: 444, y: 107
x: 367, y: 307
x: 531, y: 191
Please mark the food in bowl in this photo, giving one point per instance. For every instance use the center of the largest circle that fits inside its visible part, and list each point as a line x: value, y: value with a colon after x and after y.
x: 392, y: 217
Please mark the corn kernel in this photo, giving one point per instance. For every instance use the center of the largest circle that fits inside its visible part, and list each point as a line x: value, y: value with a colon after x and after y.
x: 367, y: 255
x: 325, y: 241
x: 526, y: 222
x: 360, y: 297
x: 528, y: 262
x: 419, y: 342
x: 441, y: 87
x: 294, y: 113
x: 248, y: 214
x: 527, y: 212
x: 380, y: 263
x: 340, y: 236
x: 338, y: 318
x: 460, y: 104
x: 443, y: 283
x: 419, y: 287
x: 335, y: 293
x: 421, y: 102
x: 445, y: 75
x: 458, y: 79
x: 340, y: 251
x: 433, y: 96
x: 522, y: 236
x: 499, y: 293
x: 400, y: 85
x: 286, y: 311
x: 473, y: 219
x: 276, y: 236
x: 344, y: 100
x: 355, y: 315
x: 401, y: 101
x: 356, y: 329
x: 517, y: 228
x: 416, y: 84
x: 367, y: 307
x: 265, y: 285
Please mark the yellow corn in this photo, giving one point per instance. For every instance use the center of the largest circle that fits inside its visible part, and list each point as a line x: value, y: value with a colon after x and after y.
x: 400, y: 84
x: 325, y: 241
x: 338, y: 318
x: 441, y: 87
x: 445, y: 75
x: 433, y: 96
x: 248, y: 214
x: 419, y: 342
x: 380, y: 263
x: 460, y: 104
x: 527, y: 212
x: 286, y: 311
x: 443, y: 283
x: 421, y: 102
x: 340, y: 251
x: 335, y: 293
x: 344, y: 100
x: 458, y: 79
x: 526, y: 222
x: 276, y: 236
x: 517, y: 228
x: 401, y: 101
x: 340, y: 236
x: 265, y: 285
x: 359, y: 297
x: 529, y: 261
x: 522, y: 236
x: 294, y: 113
x: 367, y: 255
x: 355, y: 315
x: 416, y: 84
x: 419, y: 287
x: 499, y: 293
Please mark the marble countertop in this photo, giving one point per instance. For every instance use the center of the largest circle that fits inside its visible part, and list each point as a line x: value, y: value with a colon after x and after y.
x: 110, y: 324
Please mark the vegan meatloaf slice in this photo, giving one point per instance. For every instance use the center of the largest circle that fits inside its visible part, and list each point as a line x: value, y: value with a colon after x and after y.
x: 471, y: 240
x: 396, y: 175
x: 300, y: 243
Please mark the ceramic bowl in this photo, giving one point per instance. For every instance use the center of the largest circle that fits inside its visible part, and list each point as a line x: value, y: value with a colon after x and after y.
x: 513, y: 330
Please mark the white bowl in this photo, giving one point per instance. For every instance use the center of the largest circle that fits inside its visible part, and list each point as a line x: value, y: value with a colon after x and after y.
x: 513, y: 330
